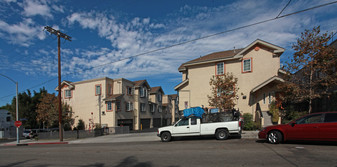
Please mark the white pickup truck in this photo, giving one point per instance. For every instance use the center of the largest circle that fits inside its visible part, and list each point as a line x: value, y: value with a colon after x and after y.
x: 193, y: 126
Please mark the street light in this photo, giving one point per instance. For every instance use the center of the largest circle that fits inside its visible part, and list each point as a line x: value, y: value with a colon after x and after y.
x: 17, y: 107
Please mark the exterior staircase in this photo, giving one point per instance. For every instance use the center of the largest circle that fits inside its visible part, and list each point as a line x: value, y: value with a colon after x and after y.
x: 267, y: 119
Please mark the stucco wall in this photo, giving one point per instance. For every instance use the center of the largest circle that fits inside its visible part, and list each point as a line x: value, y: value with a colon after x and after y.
x: 264, y: 66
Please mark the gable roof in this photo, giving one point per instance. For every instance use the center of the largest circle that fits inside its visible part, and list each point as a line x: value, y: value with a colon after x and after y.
x: 156, y: 89
x: 173, y: 96
x: 230, y: 54
x: 141, y: 82
x: 68, y: 83
x: 181, y: 84
x: 276, y: 49
x: 216, y: 56
x: 276, y: 79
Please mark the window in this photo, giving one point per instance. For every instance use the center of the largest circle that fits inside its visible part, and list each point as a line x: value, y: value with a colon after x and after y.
x: 153, y: 107
x: 220, y: 69
x: 118, y: 105
x: 264, y: 98
x: 183, y: 122
x: 159, y: 96
x: 129, y: 90
x: 331, y: 117
x: 129, y: 106
x: 109, y: 106
x: 142, y: 92
x: 160, y: 109
x: 247, y: 63
x: 98, y: 90
x: 269, y: 98
x: 109, y: 89
x: 142, y: 107
x: 68, y: 93
x: 317, y: 118
x: 193, y: 121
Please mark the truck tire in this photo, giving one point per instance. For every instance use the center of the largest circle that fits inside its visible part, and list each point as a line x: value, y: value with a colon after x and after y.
x: 221, y: 134
x: 165, y: 137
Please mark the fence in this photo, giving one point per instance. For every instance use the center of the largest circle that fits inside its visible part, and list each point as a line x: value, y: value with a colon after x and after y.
x: 79, y: 134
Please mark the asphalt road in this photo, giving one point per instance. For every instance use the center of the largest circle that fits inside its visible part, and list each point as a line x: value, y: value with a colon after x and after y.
x: 205, y: 152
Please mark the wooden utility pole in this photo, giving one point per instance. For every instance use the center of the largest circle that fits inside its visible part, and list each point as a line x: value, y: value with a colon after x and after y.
x: 59, y: 35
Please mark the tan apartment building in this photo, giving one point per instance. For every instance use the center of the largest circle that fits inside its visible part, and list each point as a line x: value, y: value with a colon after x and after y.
x: 256, y: 66
x: 115, y: 102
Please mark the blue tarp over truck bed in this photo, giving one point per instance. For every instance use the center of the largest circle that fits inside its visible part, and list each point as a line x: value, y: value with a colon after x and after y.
x: 196, y: 111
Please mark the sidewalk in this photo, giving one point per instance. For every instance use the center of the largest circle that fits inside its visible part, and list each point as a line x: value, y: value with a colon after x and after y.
x: 26, y: 142
x: 115, y: 138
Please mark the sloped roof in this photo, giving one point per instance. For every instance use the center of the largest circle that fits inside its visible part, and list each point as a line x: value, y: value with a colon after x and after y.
x: 181, y: 84
x: 231, y: 54
x: 213, y: 56
x: 263, y: 84
x: 141, y: 82
x: 156, y: 89
x: 113, y: 97
x: 68, y: 83
x: 173, y: 96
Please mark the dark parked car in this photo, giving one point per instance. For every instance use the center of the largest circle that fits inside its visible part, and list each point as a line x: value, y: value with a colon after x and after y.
x: 29, y: 134
x: 313, y: 127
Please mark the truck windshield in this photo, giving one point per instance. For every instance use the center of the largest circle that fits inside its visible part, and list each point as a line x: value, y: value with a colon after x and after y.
x: 183, y: 122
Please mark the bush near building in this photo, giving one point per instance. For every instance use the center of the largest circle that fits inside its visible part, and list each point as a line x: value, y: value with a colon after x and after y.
x: 249, y: 124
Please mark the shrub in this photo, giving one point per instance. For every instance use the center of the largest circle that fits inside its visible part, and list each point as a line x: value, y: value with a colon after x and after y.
x: 274, y: 111
x: 249, y: 124
x: 80, y: 125
x: 290, y: 114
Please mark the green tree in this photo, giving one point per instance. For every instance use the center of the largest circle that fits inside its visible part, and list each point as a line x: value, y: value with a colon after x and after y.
x: 311, y: 71
x: 224, y: 91
x: 48, y: 114
x: 27, y: 107
x: 80, y: 125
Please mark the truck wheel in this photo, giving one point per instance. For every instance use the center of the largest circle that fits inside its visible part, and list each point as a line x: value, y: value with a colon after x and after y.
x: 221, y: 134
x: 275, y: 137
x: 165, y: 137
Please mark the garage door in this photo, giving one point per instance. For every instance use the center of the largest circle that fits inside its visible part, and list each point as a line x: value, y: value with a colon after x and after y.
x: 145, y: 123
x: 156, y: 122
x: 126, y: 122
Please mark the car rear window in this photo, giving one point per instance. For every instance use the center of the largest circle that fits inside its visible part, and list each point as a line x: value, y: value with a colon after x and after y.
x: 330, y: 117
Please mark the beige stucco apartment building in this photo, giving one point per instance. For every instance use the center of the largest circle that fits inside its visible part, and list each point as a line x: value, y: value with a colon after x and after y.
x: 117, y: 102
x: 256, y: 66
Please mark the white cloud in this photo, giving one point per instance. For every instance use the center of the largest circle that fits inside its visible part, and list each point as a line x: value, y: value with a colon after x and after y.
x: 22, y: 33
x: 139, y: 35
x: 36, y: 7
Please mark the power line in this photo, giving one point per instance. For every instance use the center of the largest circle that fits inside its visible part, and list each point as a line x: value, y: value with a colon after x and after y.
x: 283, y: 8
x: 207, y: 36
x: 204, y: 37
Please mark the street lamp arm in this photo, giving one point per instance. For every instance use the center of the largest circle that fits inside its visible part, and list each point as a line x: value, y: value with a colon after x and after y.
x: 8, y: 78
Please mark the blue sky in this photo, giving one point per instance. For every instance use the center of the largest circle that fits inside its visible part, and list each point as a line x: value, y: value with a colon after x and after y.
x: 108, y: 31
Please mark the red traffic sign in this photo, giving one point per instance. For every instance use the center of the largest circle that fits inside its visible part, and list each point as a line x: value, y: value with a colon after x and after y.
x: 17, y: 123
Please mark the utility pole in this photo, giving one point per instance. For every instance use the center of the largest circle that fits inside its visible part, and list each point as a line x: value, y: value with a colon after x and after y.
x: 59, y: 35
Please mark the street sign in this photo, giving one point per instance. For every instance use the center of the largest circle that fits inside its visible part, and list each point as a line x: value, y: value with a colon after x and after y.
x: 18, y: 123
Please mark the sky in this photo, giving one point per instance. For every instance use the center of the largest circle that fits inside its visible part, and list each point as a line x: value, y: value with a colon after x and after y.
x: 137, y: 39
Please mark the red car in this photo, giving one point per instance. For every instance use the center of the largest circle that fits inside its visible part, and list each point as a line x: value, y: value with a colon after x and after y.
x: 315, y: 127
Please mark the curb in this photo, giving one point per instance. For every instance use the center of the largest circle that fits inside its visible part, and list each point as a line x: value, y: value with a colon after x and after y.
x: 29, y: 144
